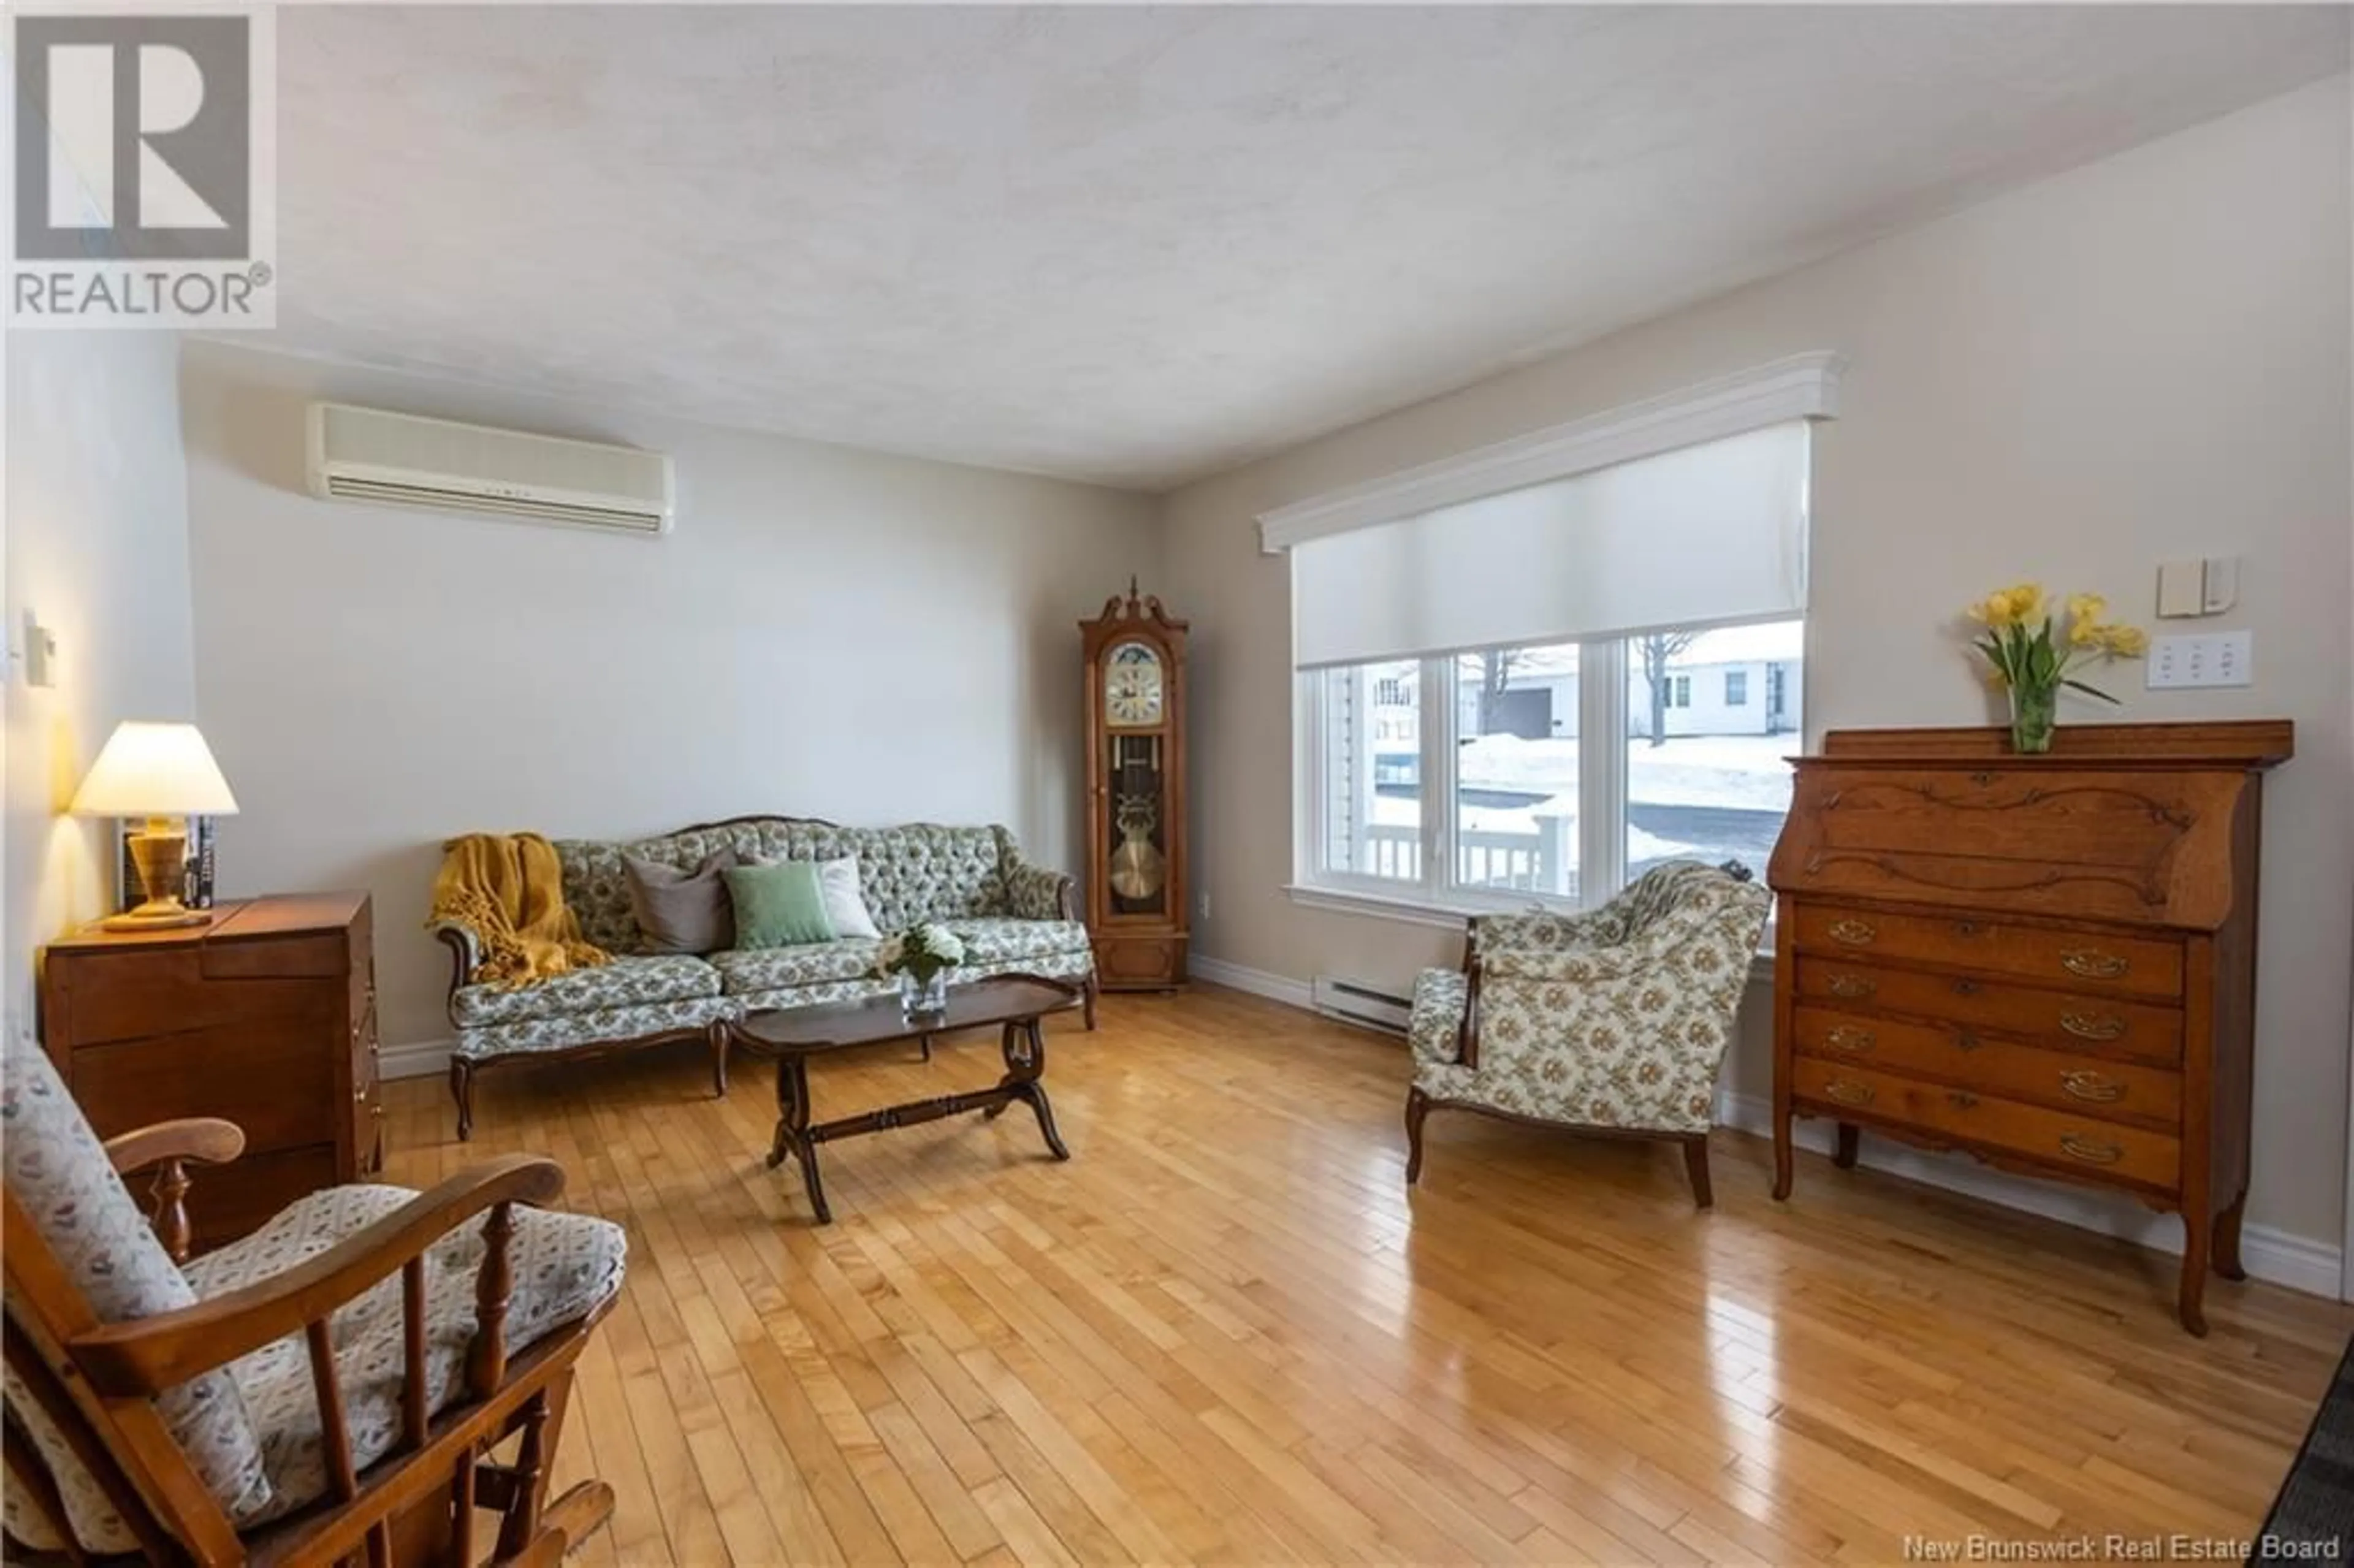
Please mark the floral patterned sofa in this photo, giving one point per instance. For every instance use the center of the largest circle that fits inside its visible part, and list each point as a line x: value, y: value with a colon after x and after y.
x: 1014, y: 916
x: 1614, y: 1021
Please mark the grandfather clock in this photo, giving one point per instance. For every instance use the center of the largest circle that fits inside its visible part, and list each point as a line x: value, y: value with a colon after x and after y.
x: 1136, y: 794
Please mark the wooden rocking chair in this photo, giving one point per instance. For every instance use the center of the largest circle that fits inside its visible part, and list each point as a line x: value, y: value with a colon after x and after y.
x: 285, y: 1399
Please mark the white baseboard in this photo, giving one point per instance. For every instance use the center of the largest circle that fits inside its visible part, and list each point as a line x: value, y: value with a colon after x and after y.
x: 1258, y: 982
x: 417, y: 1059
x: 2295, y: 1261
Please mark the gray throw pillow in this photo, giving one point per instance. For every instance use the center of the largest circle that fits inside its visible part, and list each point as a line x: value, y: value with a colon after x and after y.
x: 682, y: 911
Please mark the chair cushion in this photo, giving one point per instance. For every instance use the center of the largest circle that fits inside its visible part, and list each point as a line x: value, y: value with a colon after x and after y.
x: 998, y: 941
x: 59, y: 1171
x: 561, y: 1032
x: 779, y: 906
x: 564, y: 1266
x: 745, y: 970
x: 1073, y: 967
x: 681, y: 911
x: 625, y: 983
x: 990, y: 945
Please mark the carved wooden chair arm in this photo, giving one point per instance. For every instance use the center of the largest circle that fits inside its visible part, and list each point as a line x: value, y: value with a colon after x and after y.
x: 204, y: 1140
x: 174, y: 1146
x: 140, y: 1358
x: 465, y: 952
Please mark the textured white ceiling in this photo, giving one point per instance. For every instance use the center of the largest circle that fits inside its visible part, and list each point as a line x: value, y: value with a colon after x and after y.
x: 1139, y: 246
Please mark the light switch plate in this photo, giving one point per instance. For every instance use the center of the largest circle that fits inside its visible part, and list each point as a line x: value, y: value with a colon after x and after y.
x: 2221, y: 585
x: 2209, y: 658
x: 2181, y: 588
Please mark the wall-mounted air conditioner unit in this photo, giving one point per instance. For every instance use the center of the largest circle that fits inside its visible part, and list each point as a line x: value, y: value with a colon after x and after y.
x: 400, y: 460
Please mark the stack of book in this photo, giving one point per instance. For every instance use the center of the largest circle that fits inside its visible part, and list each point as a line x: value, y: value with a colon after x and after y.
x: 198, y: 893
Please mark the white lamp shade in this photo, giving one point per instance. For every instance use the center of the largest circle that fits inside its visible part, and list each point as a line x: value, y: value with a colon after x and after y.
x: 154, y: 771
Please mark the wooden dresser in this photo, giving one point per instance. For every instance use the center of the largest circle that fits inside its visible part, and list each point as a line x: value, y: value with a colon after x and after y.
x: 2047, y: 961
x: 266, y: 1017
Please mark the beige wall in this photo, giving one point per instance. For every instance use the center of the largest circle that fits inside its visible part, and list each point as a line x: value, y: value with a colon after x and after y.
x: 2144, y: 358
x: 98, y: 547
x: 827, y: 632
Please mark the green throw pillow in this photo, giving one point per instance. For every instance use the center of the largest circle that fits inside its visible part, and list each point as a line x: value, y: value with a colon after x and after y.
x: 779, y: 906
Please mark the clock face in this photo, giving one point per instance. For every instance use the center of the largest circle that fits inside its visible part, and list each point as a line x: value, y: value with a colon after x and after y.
x: 1132, y: 686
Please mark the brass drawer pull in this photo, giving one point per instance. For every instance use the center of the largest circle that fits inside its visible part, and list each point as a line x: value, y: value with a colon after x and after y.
x: 2093, y: 964
x: 1959, y: 1100
x: 1854, y: 933
x: 2095, y: 1086
x: 1845, y: 1039
x: 1968, y: 928
x: 1849, y: 1094
x: 2091, y: 1153
x: 2093, y: 1025
x: 1966, y: 1041
x: 1852, y: 986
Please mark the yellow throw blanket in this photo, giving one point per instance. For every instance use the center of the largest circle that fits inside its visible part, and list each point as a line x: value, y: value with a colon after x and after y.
x: 509, y: 887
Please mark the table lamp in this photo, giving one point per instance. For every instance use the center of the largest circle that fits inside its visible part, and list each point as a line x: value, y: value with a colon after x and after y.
x: 165, y: 773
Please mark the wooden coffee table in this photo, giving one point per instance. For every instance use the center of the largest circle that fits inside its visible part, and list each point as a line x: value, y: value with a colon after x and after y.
x: 791, y: 1036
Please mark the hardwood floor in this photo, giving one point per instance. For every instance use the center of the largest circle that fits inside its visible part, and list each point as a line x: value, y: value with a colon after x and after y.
x: 1225, y: 1330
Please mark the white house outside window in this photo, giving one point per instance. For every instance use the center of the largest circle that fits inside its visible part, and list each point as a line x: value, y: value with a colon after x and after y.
x: 1544, y: 691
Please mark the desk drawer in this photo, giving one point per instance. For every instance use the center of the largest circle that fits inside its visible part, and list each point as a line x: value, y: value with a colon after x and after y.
x: 2036, y: 955
x: 2063, y: 1080
x: 275, y: 1079
x: 2094, y: 1025
x: 2060, y: 1140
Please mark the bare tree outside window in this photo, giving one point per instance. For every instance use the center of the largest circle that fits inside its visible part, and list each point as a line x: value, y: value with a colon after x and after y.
x: 1495, y: 677
x: 1655, y: 651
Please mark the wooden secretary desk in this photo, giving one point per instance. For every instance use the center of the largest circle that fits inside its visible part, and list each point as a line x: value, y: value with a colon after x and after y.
x: 265, y: 1016
x: 2047, y: 961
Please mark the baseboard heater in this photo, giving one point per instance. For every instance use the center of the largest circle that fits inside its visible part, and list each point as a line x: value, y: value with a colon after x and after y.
x: 1367, y: 1006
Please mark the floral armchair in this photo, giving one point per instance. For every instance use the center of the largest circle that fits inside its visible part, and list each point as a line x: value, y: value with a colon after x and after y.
x: 285, y: 1399
x: 1615, y: 1021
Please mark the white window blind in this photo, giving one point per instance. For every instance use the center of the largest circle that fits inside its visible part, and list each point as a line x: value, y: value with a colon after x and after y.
x: 1709, y: 533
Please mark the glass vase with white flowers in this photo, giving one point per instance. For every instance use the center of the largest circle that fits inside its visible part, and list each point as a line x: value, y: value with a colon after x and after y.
x: 921, y: 959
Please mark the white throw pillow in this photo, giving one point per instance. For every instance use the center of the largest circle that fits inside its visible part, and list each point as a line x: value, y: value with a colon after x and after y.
x: 845, y: 905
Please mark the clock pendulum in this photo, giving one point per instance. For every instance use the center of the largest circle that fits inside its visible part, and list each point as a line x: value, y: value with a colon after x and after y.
x: 1138, y: 870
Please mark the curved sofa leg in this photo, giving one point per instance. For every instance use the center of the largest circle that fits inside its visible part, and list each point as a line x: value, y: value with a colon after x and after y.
x: 1417, y: 1106
x: 716, y: 1034
x: 1095, y: 987
x: 462, y: 1089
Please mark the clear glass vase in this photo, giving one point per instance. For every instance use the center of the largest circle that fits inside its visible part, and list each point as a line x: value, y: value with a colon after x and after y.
x: 922, y: 996
x: 2034, y: 714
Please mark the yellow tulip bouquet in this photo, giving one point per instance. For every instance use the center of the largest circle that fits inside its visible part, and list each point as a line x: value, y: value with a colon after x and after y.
x: 2032, y: 658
